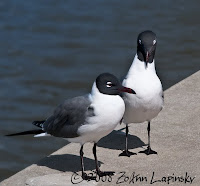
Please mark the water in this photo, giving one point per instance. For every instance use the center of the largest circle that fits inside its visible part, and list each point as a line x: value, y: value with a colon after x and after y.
x: 53, y: 50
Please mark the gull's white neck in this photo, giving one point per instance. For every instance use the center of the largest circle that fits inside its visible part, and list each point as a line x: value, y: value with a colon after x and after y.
x: 107, y: 101
x: 139, y: 66
x: 95, y: 94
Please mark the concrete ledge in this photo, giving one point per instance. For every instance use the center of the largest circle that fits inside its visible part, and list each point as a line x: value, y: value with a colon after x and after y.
x: 175, y: 136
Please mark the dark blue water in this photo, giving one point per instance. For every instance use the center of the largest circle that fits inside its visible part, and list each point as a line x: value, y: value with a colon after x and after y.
x: 53, y: 50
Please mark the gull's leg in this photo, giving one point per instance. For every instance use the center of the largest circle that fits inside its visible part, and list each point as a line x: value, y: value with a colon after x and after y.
x: 148, y: 151
x: 99, y: 172
x: 126, y: 152
x: 84, y: 175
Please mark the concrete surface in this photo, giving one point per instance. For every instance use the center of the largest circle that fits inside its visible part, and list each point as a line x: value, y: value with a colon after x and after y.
x: 175, y: 135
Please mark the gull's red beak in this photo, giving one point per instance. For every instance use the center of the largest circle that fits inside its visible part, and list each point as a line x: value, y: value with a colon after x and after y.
x: 128, y: 90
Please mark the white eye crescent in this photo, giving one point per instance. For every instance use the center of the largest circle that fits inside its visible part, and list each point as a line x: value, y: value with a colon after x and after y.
x: 140, y: 41
x: 109, y: 84
x: 154, y: 42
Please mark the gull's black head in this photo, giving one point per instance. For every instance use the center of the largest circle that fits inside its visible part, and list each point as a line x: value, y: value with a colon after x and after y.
x: 109, y: 84
x: 146, y: 46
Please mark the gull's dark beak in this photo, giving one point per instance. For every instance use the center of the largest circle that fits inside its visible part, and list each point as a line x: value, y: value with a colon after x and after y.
x: 128, y: 90
x: 146, y: 59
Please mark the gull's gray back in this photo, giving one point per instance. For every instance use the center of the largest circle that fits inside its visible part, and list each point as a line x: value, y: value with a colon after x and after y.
x: 68, y: 117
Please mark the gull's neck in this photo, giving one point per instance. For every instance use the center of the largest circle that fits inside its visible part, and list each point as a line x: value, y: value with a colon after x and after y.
x: 139, y: 66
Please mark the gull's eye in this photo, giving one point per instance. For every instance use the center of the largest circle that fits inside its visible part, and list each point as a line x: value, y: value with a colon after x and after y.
x: 154, y: 42
x: 140, y: 41
x: 109, y: 84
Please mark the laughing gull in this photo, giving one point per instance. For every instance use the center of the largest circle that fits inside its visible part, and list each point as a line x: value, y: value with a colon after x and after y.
x: 87, y: 118
x: 148, y: 100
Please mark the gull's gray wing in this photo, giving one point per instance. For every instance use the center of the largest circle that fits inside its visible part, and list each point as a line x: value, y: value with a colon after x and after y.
x: 68, y: 117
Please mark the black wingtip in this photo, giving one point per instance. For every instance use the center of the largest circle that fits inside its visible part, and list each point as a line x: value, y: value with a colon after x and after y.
x: 26, y: 132
x: 38, y: 123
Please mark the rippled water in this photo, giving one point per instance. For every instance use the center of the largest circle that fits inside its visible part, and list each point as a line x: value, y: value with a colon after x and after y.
x: 53, y: 50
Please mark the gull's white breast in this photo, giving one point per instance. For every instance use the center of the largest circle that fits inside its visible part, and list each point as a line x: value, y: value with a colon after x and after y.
x: 108, y: 111
x: 148, y: 101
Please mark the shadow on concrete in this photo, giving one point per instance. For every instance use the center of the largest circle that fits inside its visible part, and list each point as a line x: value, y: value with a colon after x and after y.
x: 116, y: 140
x: 67, y: 162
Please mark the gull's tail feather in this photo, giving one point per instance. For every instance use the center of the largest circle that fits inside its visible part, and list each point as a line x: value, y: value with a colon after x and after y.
x: 38, y: 131
x: 42, y: 134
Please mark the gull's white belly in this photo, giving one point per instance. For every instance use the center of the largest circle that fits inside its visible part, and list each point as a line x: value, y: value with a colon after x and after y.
x: 140, y: 110
x: 107, y: 117
x: 147, y: 102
